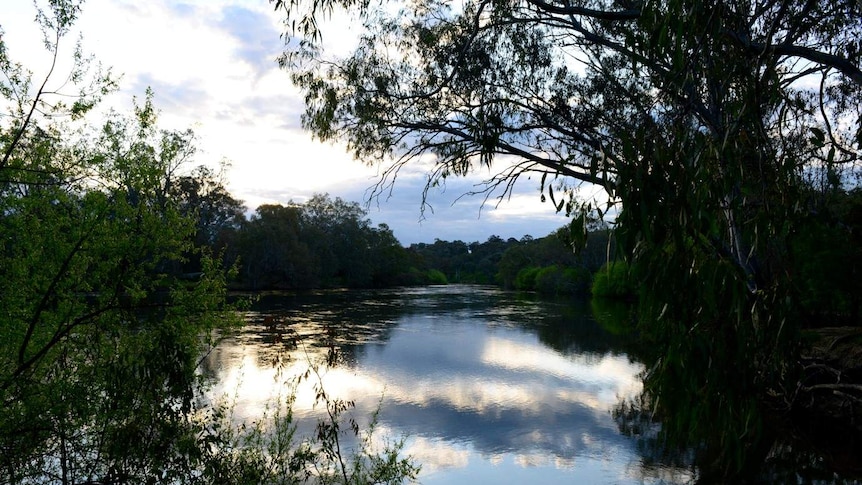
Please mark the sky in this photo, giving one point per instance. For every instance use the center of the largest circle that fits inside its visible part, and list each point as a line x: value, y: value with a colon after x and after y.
x: 212, y: 67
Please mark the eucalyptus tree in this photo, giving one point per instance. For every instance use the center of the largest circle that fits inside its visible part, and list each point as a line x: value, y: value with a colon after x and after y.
x: 274, y: 253
x: 321, y: 243
x: 201, y: 195
x: 705, y: 122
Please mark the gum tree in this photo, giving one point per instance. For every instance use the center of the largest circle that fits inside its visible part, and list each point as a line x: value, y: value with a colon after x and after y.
x: 707, y: 123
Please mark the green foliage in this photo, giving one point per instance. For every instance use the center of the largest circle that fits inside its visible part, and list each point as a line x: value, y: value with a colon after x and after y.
x: 556, y: 249
x: 436, y: 277
x: 526, y: 279
x: 550, y: 265
x: 202, y: 196
x: 101, y: 336
x: 613, y: 280
x: 461, y: 262
x: 548, y: 280
x: 500, y: 261
x: 555, y: 280
x: 827, y: 260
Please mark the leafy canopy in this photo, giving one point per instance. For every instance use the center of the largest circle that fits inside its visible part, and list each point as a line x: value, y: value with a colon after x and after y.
x: 565, y: 86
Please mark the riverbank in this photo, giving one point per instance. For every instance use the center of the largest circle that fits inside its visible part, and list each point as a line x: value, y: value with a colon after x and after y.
x: 826, y: 407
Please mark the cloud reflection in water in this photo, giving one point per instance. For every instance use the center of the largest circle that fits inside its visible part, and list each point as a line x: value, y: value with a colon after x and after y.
x: 471, y: 394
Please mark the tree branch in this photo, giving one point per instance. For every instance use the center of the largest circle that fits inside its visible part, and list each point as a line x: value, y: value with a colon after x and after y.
x: 825, y: 59
x: 20, y: 133
x: 629, y: 14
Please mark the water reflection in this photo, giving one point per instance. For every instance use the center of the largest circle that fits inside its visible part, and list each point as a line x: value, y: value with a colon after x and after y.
x: 486, y: 386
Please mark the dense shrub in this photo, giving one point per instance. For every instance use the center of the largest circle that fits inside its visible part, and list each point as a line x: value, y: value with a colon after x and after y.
x: 526, y: 279
x: 436, y: 277
x: 557, y: 280
x: 613, y: 281
x: 576, y: 281
x: 548, y: 280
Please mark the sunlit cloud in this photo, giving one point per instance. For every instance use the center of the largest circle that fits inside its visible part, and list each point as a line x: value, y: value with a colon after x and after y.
x: 532, y: 460
x: 607, y: 372
x: 436, y: 454
x: 251, y: 387
x: 534, y: 381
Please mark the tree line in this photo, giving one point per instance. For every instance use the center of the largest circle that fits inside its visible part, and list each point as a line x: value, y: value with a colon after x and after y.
x: 547, y: 264
x: 327, y: 243
x: 331, y: 243
x: 321, y: 243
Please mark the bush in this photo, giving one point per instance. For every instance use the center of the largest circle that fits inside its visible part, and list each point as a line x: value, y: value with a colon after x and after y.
x: 436, y: 277
x: 556, y: 280
x: 576, y: 281
x: 548, y: 280
x: 526, y: 279
x: 613, y: 281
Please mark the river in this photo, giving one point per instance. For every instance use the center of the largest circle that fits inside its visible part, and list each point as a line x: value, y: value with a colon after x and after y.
x: 484, y: 386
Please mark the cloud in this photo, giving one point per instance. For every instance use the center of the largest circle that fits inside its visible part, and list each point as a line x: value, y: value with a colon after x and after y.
x: 276, y: 111
x: 451, y: 215
x: 436, y: 454
x: 183, y: 9
x: 187, y: 97
x: 258, y: 41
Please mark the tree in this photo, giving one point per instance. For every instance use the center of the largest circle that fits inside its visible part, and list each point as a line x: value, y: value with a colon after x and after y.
x: 320, y: 244
x: 339, y: 231
x: 273, y: 250
x: 703, y: 121
x: 99, y: 340
x: 202, y: 193
x: 520, y: 262
x: 389, y: 259
x: 218, y: 217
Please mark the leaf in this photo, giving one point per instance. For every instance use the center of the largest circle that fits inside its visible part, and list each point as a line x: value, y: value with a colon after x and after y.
x: 819, y: 137
x: 578, y: 232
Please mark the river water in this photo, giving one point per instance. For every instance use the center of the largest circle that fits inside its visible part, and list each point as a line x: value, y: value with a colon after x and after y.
x: 484, y: 386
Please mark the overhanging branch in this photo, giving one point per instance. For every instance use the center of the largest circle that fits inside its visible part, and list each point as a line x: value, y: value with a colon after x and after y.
x: 629, y: 14
x: 825, y: 59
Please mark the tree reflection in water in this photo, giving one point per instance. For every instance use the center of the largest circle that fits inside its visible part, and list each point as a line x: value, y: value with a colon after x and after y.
x: 784, y: 453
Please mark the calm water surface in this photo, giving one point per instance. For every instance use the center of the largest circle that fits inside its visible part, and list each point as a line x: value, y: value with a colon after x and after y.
x: 486, y: 386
